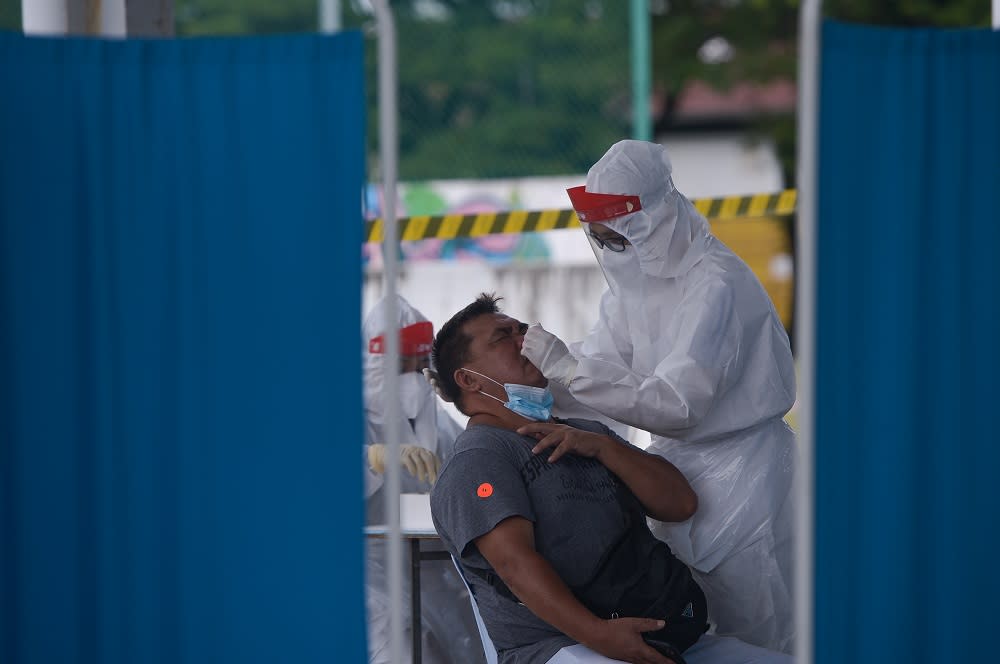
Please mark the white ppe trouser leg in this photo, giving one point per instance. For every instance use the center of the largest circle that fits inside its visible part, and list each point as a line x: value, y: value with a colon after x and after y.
x: 712, y: 649
x: 754, y: 607
x: 709, y: 649
x: 581, y: 654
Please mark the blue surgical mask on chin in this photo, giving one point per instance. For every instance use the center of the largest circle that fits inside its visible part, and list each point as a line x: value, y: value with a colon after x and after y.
x: 535, y: 403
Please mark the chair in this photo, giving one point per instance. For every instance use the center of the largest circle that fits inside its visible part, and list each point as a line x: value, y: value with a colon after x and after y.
x: 488, y: 648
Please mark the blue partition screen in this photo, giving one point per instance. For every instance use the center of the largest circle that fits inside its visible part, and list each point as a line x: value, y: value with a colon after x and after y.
x: 180, y: 380
x: 908, y: 453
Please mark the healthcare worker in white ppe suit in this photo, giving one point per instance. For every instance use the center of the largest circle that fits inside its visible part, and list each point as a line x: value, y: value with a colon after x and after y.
x: 427, y: 435
x: 689, y: 348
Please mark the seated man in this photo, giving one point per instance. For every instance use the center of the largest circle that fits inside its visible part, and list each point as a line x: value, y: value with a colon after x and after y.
x: 547, y: 518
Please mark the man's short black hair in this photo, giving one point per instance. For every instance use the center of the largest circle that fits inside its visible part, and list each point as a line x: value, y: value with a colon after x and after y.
x: 451, y: 345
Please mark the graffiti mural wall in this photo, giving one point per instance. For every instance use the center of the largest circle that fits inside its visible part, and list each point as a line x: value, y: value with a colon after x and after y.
x: 471, y: 197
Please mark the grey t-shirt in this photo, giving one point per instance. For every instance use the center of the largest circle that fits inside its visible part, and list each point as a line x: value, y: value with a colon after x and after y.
x: 580, y: 510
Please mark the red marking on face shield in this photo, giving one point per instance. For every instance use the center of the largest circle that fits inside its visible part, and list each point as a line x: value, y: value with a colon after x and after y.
x: 594, y: 208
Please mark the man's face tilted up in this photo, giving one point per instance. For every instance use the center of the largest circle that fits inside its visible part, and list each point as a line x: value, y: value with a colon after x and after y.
x: 495, y: 350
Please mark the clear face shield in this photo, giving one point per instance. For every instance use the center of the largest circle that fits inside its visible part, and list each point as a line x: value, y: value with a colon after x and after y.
x: 593, y: 208
x: 601, y: 241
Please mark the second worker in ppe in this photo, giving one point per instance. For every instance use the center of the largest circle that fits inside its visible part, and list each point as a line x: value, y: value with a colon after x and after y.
x: 428, y: 436
x: 689, y: 347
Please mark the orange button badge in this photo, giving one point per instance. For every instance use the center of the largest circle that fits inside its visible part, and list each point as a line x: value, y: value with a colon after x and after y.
x: 485, y: 490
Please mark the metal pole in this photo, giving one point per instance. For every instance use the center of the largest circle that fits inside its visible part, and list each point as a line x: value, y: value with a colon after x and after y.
x: 107, y: 18
x: 996, y: 14
x: 329, y: 16
x: 112, y: 20
x: 44, y: 17
x: 805, y: 324
x: 639, y: 27
x: 416, y: 638
x: 388, y: 156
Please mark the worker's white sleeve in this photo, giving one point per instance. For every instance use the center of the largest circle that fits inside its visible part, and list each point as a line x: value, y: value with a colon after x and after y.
x: 609, y: 337
x: 706, y: 333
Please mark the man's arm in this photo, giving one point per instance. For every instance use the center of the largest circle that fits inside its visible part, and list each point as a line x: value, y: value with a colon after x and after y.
x: 660, y: 487
x: 510, y: 550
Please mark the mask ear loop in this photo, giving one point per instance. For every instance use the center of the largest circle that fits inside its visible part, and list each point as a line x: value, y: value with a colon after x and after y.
x: 492, y: 381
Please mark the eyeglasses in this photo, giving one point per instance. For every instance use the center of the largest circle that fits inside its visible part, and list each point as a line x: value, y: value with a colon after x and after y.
x: 614, y: 243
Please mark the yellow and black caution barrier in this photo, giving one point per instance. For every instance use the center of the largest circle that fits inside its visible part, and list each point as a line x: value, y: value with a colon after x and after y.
x: 448, y: 226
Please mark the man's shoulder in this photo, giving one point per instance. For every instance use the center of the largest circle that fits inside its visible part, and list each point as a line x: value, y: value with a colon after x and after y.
x: 481, y: 445
x: 483, y: 436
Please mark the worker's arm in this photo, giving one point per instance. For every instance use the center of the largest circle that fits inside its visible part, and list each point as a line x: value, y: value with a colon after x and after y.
x: 660, y: 487
x: 510, y: 550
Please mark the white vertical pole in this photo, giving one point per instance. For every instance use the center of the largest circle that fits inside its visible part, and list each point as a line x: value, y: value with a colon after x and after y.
x: 61, y: 17
x: 388, y: 156
x: 996, y: 14
x: 329, y: 16
x: 805, y: 325
x: 44, y: 17
x: 111, y: 21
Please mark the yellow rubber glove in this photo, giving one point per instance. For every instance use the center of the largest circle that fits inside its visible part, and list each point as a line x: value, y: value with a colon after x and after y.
x: 421, y: 463
x: 418, y: 462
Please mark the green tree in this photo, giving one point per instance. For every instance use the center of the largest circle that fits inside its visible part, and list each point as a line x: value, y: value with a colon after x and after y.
x: 243, y: 17
x: 10, y: 15
x: 763, y: 37
x: 486, y: 89
x: 485, y: 96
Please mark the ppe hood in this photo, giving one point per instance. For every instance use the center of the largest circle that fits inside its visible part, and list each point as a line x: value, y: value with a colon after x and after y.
x: 667, y: 233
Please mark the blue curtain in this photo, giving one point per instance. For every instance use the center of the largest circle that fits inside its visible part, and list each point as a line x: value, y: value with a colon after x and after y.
x: 180, y: 381
x: 908, y: 454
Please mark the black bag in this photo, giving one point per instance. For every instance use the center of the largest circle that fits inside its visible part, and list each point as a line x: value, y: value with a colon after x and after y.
x: 666, y: 650
x: 685, y: 622
x: 666, y: 591
x: 639, y: 577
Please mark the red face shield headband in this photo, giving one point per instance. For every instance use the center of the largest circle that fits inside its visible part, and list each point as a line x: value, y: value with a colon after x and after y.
x: 414, y: 339
x: 594, y: 208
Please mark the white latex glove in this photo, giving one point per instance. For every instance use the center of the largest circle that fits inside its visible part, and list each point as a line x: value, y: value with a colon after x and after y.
x: 432, y: 378
x: 547, y: 352
x: 419, y: 462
